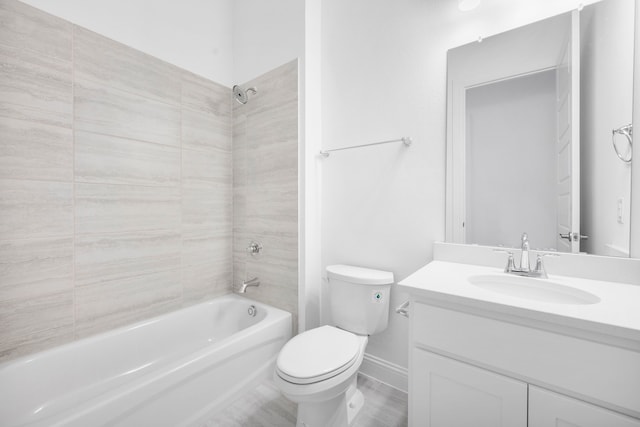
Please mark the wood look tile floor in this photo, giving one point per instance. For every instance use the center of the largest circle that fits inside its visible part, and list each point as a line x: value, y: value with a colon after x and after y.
x: 266, y: 407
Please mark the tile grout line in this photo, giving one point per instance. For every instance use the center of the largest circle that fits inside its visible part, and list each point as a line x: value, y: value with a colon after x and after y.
x: 233, y: 207
x: 182, y: 269
x: 73, y: 177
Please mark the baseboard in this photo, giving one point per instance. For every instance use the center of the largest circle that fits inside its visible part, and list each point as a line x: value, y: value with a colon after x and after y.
x: 386, y: 372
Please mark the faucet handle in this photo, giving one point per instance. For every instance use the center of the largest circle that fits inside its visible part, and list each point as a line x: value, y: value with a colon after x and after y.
x: 511, y: 265
x: 254, y: 248
x: 540, y: 270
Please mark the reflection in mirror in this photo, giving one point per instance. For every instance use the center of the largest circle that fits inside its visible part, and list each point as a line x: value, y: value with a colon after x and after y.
x: 509, y: 171
x: 530, y: 120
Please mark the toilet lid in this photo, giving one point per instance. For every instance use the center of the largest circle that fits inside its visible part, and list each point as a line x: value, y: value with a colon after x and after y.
x: 317, y: 354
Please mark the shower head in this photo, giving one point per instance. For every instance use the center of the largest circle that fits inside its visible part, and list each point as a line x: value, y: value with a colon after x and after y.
x: 241, y: 95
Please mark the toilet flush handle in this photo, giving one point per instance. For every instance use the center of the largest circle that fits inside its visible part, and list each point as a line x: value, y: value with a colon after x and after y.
x: 403, y: 309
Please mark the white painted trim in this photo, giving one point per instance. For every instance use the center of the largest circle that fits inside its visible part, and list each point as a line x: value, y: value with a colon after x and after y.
x: 385, y: 372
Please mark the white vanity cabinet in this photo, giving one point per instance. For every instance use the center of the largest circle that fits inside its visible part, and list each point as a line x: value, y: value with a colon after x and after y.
x: 472, y: 368
x: 448, y: 393
x: 549, y: 409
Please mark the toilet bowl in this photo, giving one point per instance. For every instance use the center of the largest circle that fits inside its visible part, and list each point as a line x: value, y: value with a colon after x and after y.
x: 318, y: 368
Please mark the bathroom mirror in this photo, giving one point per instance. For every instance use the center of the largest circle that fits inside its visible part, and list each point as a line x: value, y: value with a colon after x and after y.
x: 531, y: 115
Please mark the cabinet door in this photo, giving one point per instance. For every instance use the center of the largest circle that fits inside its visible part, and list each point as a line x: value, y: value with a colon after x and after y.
x: 549, y: 409
x: 448, y: 393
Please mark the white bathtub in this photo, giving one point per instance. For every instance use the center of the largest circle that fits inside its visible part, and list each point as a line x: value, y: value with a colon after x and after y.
x: 173, y: 370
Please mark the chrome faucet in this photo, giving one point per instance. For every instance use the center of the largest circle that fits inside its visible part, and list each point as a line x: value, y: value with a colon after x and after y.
x: 247, y: 283
x: 524, y: 258
x: 525, y: 266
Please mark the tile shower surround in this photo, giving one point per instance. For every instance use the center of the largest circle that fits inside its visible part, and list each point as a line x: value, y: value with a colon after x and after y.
x: 115, y: 184
x: 265, y: 188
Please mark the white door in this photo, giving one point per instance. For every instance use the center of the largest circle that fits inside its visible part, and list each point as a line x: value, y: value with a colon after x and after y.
x: 568, y: 141
x: 448, y: 393
x: 549, y: 409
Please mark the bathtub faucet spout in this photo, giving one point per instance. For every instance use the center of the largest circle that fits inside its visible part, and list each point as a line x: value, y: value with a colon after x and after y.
x: 247, y: 283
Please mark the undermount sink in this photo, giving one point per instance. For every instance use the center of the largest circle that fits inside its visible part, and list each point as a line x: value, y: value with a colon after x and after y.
x: 533, y: 289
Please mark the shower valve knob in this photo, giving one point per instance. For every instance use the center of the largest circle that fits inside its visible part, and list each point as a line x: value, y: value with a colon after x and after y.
x: 254, y: 248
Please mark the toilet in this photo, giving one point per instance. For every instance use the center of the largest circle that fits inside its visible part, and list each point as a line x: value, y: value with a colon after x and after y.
x: 318, y: 368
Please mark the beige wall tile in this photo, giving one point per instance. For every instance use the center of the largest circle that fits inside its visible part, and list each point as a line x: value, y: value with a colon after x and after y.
x: 112, y: 64
x: 209, y: 208
x: 131, y: 212
x: 201, y: 247
x: 28, y: 28
x: 205, y: 132
x: 104, y: 257
x: 272, y: 208
x: 34, y: 323
x: 206, y: 169
x: 108, y: 111
x: 206, y: 96
x: 265, y: 192
x: 32, y: 150
x: 32, y: 209
x: 204, y: 281
x: 239, y: 208
x: 112, y: 160
x: 36, y: 342
x: 102, y: 208
x: 108, y: 305
x: 35, y: 87
x: 206, y: 263
x: 272, y: 144
x: 30, y: 268
x: 240, y: 150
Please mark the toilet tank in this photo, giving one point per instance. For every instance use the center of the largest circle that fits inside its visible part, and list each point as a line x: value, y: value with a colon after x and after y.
x: 359, y: 298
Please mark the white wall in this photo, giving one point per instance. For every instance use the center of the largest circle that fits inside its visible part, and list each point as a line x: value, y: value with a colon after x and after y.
x: 511, y: 160
x: 310, y: 191
x: 266, y: 34
x: 606, y: 103
x: 193, y: 34
x: 227, y: 41
x: 384, y: 76
x: 382, y: 207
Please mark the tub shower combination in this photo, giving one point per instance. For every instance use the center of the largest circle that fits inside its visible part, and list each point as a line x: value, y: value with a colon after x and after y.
x: 174, y: 370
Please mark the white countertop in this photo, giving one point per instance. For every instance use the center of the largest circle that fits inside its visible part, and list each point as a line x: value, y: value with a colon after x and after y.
x: 617, y: 314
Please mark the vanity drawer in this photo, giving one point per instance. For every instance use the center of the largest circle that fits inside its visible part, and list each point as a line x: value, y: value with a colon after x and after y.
x: 603, y: 374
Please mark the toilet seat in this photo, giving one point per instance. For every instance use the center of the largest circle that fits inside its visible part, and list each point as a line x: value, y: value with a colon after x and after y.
x: 317, y: 354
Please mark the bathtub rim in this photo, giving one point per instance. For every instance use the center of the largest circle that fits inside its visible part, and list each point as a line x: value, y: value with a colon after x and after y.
x: 272, y: 312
